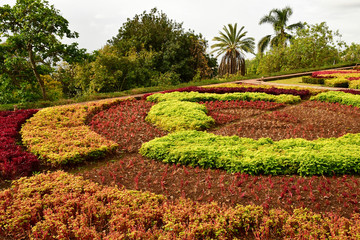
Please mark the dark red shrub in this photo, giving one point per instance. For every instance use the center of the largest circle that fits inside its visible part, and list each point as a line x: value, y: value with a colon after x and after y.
x: 14, y: 161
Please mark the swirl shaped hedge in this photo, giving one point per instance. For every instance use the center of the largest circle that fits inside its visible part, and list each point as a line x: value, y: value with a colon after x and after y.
x: 263, y: 156
x: 59, y: 135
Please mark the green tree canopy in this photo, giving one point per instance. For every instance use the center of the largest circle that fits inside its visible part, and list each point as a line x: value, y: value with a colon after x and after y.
x: 233, y: 44
x: 173, y: 48
x: 278, y: 18
x: 32, y: 30
x: 313, y: 46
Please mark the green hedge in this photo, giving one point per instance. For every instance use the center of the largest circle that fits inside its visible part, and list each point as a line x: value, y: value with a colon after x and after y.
x: 247, y: 96
x: 338, y: 97
x: 176, y: 115
x: 311, y: 80
x: 263, y: 156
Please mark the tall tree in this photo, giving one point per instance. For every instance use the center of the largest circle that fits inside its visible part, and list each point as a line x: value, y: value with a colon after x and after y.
x: 233, y: 43
x: 278, y: 18
x: 32, y: 29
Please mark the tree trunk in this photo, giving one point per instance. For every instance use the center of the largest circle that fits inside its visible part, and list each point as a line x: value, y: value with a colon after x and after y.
x: 37, y: 75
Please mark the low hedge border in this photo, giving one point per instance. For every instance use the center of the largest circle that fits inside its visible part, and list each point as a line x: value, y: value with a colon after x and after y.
x: 202, y: 97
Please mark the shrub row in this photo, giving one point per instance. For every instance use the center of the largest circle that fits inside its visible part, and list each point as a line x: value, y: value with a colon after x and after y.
x: 338, y: 97
x: 176, y: 115
x: 62, y: 206
x: 263, y: 156
x: 59, y: 135
x: 333, y: 73
x: 14, y: 161
x: 240, y: 88
x: 339, y: 78
x: 247, y: 96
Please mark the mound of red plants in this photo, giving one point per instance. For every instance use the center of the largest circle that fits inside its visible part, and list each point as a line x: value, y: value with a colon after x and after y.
x: 273, y: 90
x: 14, y: 160
x: 311, y: 120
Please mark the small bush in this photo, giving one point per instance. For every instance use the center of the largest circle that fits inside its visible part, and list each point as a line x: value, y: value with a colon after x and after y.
x: 176, y: 115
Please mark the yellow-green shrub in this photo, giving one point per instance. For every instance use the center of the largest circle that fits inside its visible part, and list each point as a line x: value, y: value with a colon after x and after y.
x: 59, y: 135
x: 176, y: 115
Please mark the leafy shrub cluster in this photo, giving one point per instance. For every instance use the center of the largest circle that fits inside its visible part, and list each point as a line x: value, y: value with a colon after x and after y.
x: 14, y: 161
x: 62, y: 206
x: 263, y: 156
x: 176, y: 115
x: 240, y: 88
x: 59, y: 134
x: 338, y: 97
x: 247, y: 96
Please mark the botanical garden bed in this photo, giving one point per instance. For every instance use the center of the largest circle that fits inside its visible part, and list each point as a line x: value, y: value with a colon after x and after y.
x: 64, y: 206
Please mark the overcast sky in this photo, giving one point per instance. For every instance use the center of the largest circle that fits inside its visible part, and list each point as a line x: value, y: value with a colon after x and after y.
x: 98, y: 21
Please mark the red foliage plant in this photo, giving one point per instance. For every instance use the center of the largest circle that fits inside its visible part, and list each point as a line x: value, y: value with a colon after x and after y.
x: 14, y: 161
x: 125, y: 124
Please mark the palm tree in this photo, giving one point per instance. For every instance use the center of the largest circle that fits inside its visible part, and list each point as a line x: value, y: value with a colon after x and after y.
x: 233, y: 43
x: 278, y: 18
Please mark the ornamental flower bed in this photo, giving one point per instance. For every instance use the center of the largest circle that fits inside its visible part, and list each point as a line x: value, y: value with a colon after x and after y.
x: 240, y: 88
x: 61, y: 206
x: 14, y: 161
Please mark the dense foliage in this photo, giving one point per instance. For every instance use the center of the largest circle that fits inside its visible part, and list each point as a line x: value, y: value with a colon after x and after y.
x: 59, y: 136
x: 149, y: 50
x: 313, y: 46
x: 61, y: 206
x: 32, y: 29
x: 14, y: 161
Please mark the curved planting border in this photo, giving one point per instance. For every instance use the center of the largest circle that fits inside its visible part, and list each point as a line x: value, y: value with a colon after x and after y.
x: 59, y: 135
x: 14, y: 161
x: 264, y: 156
x: 247, y: 96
